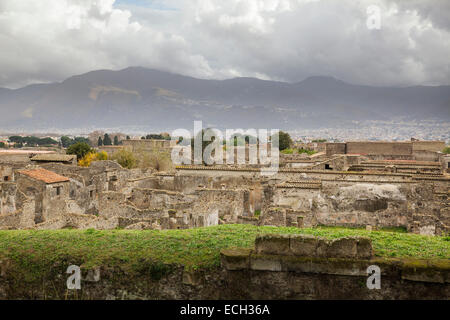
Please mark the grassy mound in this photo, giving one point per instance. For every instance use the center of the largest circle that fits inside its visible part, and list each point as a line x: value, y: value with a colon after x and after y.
x: 37, y: 251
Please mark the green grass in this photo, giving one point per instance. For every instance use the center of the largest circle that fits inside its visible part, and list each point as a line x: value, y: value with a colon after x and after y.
x: 36, y: 252
x: 299, y: 151
x: 308, y: 152
x: 287, y: 151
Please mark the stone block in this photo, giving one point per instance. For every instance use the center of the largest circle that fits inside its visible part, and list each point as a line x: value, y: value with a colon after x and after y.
x: 297, y: 264
x: 421, y: 271
x: 343, y: 248
x: 235, y: 259
x: 303, y: 245
x: 172, y: 213
x: 273, y: 244
x: 364, y: 248
x: 300, y: 222
x: 261, y: 263
x: 322, y: 248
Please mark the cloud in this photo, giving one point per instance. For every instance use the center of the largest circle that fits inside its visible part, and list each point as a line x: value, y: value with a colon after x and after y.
x: 51, y: 40
x: 273, y: 39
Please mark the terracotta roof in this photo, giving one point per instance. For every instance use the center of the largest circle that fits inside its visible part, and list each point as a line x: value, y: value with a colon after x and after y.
x: 44, y: 175
x: 54, y: 157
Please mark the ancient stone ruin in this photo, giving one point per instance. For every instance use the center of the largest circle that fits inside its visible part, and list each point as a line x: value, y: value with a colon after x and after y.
x: 332, y: 188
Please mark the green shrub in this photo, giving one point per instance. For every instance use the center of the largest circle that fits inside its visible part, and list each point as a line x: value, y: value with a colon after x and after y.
x: 125, y: 158
x: 80, y: 149
x: 287, y: 151
x: 308, y: 152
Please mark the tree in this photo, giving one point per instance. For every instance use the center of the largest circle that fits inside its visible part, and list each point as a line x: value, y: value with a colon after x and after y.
x: 80, y: 149
x: 99, y: 142
x: 128, y: 138
x: 2, y: 145
x: 107, y: 140
x: 81, y: 139
x: 157, y: 136
x: 91, y: 157
x: 284, y: 140
x: 446, y: 150
x: 116, y: 141
x: 16, y: 139
x: 66, y: 141
x: 32, y: 141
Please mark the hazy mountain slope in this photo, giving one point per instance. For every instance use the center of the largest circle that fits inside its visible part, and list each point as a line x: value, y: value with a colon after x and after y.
x: 160, y: 100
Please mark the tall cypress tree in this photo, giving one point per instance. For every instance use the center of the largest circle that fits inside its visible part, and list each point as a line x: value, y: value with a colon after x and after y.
x: 107, y: 140
x: 100, y: 141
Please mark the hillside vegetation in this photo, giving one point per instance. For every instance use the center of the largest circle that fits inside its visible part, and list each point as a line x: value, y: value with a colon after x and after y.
x: 35, y: 252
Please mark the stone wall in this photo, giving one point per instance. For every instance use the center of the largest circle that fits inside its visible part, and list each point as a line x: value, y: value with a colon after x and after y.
x: 8, y: 191
x: 434, y: 146
x: 335, y: 148
x: 379, y: 147
x: 149, y: 145
x: 299, y: 266
x: 6, y: 173
x: 425, y: 155
x: 419, y: 208
x: 423, y: 150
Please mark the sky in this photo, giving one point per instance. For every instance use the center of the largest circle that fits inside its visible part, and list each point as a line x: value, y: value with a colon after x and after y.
x: 370, y: 42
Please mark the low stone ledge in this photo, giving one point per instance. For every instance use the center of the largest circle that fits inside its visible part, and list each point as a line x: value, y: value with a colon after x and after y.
x: 349, y: 256
x: 235, y: 259
x: 335, y: 266
x: 303, y: 245
x: 426, y: 271
x: 364, y: 248
x: 343, y: 248
x: 265, y: 263
x: 273, y: 244
x: 310, y: 246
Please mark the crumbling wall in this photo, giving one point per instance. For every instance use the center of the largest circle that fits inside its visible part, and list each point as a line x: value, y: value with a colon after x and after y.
x: 434, y: 146
x: 335, y: 148
x: 379, y: 148
x: 7, y: 197
x: 419, y: 207
x: 155, y: 198
x: 307, y: 267
x: 226, y: 204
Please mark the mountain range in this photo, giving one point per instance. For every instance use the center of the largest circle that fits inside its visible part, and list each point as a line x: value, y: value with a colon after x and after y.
x: 137, y: 97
